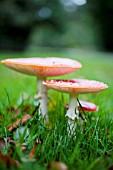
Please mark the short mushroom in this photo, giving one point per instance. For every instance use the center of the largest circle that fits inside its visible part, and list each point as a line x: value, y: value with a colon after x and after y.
x: 74, y: 88
x: 86, y: 106
x: 42, y: 68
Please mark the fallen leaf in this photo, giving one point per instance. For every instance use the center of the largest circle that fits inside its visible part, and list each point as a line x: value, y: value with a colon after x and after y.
x: 2, y: 144
x: 8, y: 161
x: 10, y: 109
x: 16, y: 113
x: 111, y: 167
x: 22, y: 120
x: 26, y: 108
x: 32, y: 152
x: 5, y: 142
x: 56, y: 166
x: 12, y: 143
x: 31, y: 156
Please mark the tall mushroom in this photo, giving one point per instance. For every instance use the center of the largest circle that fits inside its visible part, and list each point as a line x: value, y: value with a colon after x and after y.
x: 42, y: 68
x: 74, y: 88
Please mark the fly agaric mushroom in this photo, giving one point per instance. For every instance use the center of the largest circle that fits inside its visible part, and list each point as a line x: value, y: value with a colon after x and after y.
x: 42, y: 68
x: 86, y: 106
x: 74, y: 88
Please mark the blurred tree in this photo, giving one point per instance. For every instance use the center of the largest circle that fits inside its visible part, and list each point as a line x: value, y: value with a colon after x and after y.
x: 19, y: 17
x: 102, y: 12
x: 63, y: 23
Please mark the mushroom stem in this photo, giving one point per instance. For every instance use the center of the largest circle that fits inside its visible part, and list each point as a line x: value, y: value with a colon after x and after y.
x: 72, y: 113
x: 42, y: 98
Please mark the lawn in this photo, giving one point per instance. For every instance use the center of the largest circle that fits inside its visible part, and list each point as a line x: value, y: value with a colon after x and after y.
x: 92, y: 148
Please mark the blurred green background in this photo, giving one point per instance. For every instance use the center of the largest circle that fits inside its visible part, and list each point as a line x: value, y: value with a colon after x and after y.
x: 28, y: 24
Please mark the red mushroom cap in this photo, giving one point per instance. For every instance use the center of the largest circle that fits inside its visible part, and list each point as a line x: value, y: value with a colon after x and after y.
x: 78, y: 86
x: 87, y: 106
x: 43, y: 66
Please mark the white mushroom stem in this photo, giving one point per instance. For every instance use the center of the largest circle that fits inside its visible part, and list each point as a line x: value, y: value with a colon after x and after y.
x: 72, y: 113
x: 42, y: 98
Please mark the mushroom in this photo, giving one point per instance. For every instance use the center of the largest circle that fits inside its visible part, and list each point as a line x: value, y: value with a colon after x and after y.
x: 42, y: 68
x: 86, y: 106
x: 74, y: 88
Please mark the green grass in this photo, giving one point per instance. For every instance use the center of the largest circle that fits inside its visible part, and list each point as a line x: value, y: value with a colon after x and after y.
x: 93, y: 146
